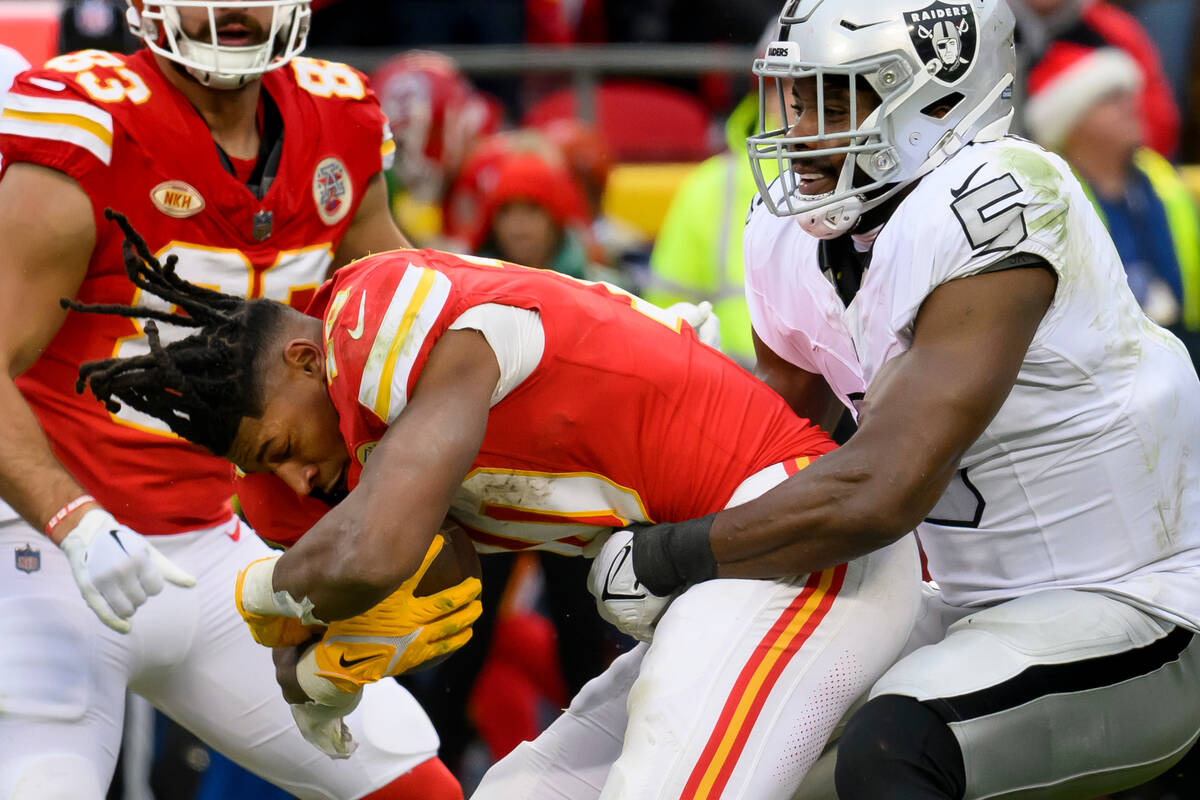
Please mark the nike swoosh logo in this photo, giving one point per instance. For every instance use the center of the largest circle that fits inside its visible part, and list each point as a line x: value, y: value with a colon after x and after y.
x: 342, y: 660
x: 613, y: 568
x: 117, y: 539
x: 850, y: 26
x: 357, y: 331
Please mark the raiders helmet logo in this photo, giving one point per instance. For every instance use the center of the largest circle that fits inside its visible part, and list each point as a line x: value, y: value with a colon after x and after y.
x: 945, y: 36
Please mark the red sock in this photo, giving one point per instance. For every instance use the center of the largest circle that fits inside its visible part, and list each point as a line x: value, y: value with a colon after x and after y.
x: 429, y: 780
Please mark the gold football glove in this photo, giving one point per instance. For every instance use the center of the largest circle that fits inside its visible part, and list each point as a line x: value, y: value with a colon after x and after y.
x: 269, y: 630
x: 402, y: 632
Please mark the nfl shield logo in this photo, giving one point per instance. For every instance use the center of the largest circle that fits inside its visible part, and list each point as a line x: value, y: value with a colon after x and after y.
x: 945, y: 35
x: 28, y: 559
x: 332, y: 190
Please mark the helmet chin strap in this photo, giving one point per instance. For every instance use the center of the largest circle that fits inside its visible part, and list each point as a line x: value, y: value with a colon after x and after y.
x: 956, y: 140
x: 830, y: 222
x: 216, y: 80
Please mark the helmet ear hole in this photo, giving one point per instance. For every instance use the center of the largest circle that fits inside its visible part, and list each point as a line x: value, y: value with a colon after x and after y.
x: 941, y: 107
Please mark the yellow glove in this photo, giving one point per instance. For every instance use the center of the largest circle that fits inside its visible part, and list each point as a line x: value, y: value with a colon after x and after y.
x: 269, y: 630
x: 400, y: 633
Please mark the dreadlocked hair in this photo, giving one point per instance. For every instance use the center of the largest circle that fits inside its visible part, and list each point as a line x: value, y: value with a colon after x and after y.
x: 200, y: 386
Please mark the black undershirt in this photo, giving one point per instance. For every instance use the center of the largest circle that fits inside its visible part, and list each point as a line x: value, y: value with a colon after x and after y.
x: 270, y: 149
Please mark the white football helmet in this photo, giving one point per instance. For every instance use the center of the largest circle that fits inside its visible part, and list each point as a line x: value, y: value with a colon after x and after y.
x: 943, y: 70
x: 219, y: 66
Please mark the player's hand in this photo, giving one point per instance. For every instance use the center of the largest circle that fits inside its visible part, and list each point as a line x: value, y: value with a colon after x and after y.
x: 115, y: 568
x: 318, y: 706
x: 402, y: 632
x: 323, y: 725
x: 268, y: 629
x: 703, y: 320
x: 620, y: 597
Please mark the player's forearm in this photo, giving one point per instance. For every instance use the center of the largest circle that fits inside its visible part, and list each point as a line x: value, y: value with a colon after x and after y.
x: 837, y: 509
x: 337, y: 566
x: 854, y: 500
x: 31, y: 479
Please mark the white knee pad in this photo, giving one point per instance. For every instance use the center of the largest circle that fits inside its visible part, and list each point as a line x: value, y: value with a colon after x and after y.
x: 52, y: 777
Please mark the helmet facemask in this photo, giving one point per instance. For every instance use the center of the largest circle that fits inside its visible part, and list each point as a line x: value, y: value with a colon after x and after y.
x: 943, y: 71
x: 215, y: 65
x: 870, y: 172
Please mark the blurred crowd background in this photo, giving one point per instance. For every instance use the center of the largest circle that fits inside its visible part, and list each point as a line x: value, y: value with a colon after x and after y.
x: 605, y: 139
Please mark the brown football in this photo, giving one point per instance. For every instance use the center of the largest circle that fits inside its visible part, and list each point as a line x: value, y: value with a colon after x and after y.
x: 457, y: 562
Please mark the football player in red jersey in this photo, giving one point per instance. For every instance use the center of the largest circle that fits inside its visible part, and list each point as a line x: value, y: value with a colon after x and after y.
x: 537, y: 411
x: 265, y: 170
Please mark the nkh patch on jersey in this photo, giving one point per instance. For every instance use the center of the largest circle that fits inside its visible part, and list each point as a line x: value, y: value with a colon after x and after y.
x: 945, y: 36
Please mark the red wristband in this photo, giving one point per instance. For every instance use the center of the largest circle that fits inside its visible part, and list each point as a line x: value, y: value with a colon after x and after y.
x: 66, y: 510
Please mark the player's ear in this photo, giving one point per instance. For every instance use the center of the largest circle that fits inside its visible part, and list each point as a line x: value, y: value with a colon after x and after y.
x: 305, y: 356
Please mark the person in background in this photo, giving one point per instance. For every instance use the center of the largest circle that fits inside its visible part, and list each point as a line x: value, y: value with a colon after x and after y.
x: 1099, y: 23
x: 463, y: 204
x: 531, y: 215
x: 94, y: 25
x: 589, y: 158
x: 1082, y: 103
x: 698, y: 253
x: 436, y: 117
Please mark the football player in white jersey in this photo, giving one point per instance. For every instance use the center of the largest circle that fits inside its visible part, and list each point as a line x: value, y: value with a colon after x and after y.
x: 955, y: 290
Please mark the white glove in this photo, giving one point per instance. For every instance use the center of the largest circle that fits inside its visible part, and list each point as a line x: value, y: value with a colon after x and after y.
x: 703, y: 321
x: 323, y: 727
x: 320, y: 720
x: 115, y: 568
x: 620, y: 598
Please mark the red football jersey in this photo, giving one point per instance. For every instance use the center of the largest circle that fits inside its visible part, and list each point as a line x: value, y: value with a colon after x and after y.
x: 626, y: 417
x: 117, y: 127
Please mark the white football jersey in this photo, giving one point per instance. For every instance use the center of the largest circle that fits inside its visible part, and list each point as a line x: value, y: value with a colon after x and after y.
x: 1089, y: 475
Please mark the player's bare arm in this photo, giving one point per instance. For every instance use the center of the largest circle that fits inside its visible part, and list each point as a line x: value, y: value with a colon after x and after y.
x: 376, y: 538
x: 807, y: 393
x: 373, y: 230
x: 47, y: 226
x: 921, y: 415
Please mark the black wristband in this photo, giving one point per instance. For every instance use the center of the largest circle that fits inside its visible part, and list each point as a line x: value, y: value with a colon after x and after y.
x: 674, y: 555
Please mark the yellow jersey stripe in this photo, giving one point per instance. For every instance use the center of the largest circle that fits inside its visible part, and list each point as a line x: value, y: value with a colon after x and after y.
x: 51, y: 105
x: 95, y: 129
x: 58, y: 133
x: 411, y: 314
x: 384, y: 401
x: 776, y: 649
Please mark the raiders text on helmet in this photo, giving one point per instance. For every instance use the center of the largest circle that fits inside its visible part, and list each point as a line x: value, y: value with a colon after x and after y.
x: 943, y: 71
x: 221, y: 66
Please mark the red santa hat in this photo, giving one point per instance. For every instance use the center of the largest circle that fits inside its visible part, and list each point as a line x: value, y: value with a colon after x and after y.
x: 1068, y: 81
